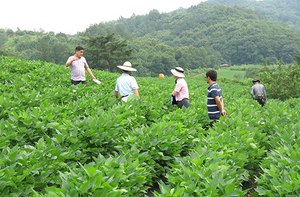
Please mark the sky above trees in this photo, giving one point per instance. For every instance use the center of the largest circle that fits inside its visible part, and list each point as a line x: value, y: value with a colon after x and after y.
x: 75, y: 16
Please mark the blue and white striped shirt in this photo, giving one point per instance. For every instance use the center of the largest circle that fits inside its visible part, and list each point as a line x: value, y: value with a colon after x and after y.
x: 212, y: 108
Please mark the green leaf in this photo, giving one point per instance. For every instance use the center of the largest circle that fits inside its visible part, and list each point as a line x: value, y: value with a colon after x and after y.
x: 242, y: 156
x: 107, y: 186
x: 197, y: 161
x: 253, y: 145
x: 208, y: 173
x: 41, y: 143
x: 98, y: 182
x: 230, y: 188
x: 74, y: 193
x: 91, y: 170
x: 85, y: 186
x: 13, y: 155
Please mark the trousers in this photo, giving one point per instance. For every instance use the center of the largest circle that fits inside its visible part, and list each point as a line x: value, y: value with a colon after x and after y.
x: 184, y: 102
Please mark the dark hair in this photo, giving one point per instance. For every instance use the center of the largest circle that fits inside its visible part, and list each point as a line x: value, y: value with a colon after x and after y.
x: 212, y: 74
x: 79, y: 48
x: 125, y: 71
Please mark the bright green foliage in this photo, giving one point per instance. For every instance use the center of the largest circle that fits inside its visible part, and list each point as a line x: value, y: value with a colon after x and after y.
x: 283, y: 83
x: 57, y: 139
x: 281, y: 171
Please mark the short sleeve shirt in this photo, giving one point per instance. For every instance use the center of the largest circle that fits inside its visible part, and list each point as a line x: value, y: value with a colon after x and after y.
x: 258, y: 89
x: 78, y: 68
x: 125, y: 84
x: 212, y: 107
x: 182, y: 89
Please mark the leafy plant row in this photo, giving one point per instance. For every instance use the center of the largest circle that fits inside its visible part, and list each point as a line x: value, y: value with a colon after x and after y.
x: 62, y: 140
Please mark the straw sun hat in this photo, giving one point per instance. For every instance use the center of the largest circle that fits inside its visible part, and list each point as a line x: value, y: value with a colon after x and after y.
x: 127, y: 66
x: 178, y: 72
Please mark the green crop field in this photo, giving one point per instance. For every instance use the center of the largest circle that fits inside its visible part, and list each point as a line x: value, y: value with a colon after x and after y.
x: 62, y: 140
x: 233, y: 74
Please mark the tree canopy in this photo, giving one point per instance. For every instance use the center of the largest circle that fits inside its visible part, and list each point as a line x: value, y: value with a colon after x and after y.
x: 199, y: 37
x: 286, y: 11
x: 105, y: 52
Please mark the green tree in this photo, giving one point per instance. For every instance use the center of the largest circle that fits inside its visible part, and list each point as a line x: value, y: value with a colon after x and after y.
x: 297, y: 58
x: 283, y: 83
x: 44, y: 49
x: 9, y: 32
x: 105, y: 52
x: 7, y: 53
x: 3, y: 37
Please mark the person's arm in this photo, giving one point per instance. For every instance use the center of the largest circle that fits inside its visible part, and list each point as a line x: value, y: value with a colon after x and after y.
x: 90, y: 72
x: 252, y: 93
x: 70, y: 62
x: 135, y: 91
x: 220, y: 105
x: 177, y: 89
x: 117, y: 94
x: 265, y: 93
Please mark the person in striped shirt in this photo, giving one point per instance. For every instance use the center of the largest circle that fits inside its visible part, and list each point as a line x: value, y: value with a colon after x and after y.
x: 215, y: 103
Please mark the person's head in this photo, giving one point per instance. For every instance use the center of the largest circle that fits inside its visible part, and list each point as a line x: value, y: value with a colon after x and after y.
x: 177, y: 72
x: 126, y: 71
x: 256, y: 80
x: 79, y: 51
x: 126, y: 68
x: 211, y: 75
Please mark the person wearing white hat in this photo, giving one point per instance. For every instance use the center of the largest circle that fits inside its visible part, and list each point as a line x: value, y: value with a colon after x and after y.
x: 126, y: 84
x: 181, y: 91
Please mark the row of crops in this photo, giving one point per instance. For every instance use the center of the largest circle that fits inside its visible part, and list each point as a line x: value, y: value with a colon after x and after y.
x: 62, y: 140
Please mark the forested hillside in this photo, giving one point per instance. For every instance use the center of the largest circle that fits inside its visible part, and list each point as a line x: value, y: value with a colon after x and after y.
x: 202, y: 37
x: 286, y: 11
x: 233, y: 35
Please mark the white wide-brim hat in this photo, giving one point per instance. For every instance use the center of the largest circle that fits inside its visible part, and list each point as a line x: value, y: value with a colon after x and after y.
x: 178, y: 72
x: 127, y: 66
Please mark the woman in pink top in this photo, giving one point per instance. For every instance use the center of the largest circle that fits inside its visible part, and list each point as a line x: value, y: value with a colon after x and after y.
x: 181, y: 91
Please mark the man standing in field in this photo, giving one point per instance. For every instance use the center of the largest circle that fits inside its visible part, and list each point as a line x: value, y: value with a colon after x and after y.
x: 77, y: 64
x: 215, y: 103
x: 181, y: 91
x: 126, y: 84
x: 258, y: 92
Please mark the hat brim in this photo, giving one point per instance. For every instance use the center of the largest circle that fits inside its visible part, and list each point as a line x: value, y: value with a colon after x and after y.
x: 126, y: 68
x: 176, y: 73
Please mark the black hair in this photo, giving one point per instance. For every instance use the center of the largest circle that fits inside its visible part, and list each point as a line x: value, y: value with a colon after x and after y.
x: 125, y: 71
x: 212, y: 74
x: 79, y: 48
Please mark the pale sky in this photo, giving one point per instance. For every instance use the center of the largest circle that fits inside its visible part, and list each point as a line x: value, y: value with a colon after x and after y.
x: 75, y: 16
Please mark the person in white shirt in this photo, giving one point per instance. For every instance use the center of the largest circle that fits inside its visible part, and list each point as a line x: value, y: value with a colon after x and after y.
x: 77, y: 64
x: 126, y: 84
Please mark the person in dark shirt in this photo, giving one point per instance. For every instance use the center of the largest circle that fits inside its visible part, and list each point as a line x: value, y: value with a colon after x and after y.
x: 215, y: 103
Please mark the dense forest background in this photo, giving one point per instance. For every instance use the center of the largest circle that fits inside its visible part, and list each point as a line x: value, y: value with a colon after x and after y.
x: 216, y: 32
x: 284, y: 11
